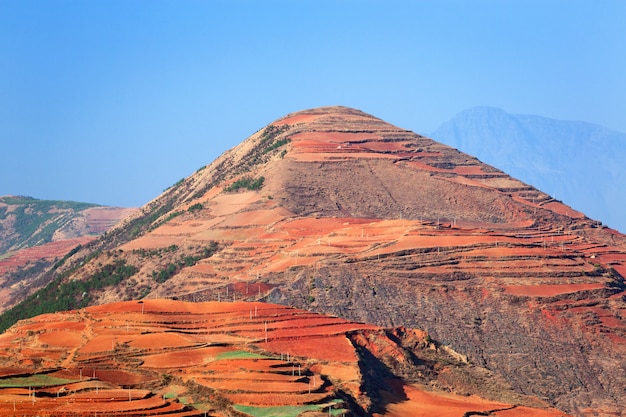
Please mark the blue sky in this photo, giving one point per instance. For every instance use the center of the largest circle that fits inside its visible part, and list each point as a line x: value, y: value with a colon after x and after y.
x: 113, y: 101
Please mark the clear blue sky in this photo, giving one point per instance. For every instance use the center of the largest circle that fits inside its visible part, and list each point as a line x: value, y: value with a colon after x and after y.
x: 113, y: 101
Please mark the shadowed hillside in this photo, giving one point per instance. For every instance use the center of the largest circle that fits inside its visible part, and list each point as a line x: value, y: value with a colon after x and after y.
x: 335, y: 211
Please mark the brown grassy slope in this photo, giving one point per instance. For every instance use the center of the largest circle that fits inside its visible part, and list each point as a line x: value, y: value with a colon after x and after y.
x: 363, y: 220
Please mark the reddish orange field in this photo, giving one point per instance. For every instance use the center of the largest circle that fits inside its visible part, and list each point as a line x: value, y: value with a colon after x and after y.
x: 424, y: 403
x: 245, y: 353
x: 550, y: 290
x: 48, y: 251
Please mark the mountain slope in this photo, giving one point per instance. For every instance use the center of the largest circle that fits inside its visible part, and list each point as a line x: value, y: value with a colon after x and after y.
x: 34, y: 234
x: 579, y: 163
x: 336, y: 211
x: 27, y: 222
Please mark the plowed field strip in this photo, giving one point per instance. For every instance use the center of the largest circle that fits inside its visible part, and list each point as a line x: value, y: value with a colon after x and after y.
x: 315, y: 332
x: 272, y: 399
x: 258, y: 387
x: 270, y: 375
x: 247, y: 365
x: 153, y: 405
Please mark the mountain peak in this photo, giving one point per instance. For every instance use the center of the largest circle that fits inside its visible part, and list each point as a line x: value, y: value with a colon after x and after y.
x: 330, y: 117
x: 327, y: 110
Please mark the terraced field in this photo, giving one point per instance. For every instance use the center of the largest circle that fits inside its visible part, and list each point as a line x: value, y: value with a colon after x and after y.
x: 46, y: 252
x: 164, y: 357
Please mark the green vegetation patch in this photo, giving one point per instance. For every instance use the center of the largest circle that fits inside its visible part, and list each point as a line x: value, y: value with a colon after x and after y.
x: 62, y: 296
x: 277, y: 145
x: 37, y: 380
x: 195, y: 207
x: 173, y: 268
x: 284, y: 411
x: 239, y: 354
x: 151, y: 253
x: 268, y: 142
x: 45, y: 204
x: 141, y: 224
x: 248, y: 183
x: 154, y: 224
x: 169, y: 395
x: 176, y: 184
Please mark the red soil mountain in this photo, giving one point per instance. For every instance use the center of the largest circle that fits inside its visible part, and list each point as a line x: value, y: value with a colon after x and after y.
x: 163, y: 357
x: 335, y: 211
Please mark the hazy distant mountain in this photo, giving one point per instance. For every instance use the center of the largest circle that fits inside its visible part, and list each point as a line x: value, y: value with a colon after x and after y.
x: 579, y: 163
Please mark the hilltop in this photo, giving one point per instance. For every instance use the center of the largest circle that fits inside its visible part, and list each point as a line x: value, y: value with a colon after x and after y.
x: 335, y: 211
